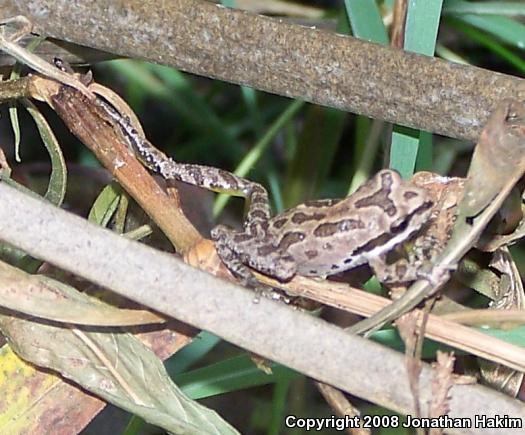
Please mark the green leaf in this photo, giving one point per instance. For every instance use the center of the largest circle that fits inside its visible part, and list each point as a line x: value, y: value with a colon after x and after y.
x: 105, y: 205
x: 117, y: 367
x: 47, y: 298
x: 56, y: 189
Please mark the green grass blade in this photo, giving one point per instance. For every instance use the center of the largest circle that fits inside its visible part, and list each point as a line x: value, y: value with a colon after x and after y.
x: 422, y: 25
x: 365, y: 20
x: 13, y: 113
x: 366, y: 152
x: 424, y: 160
x: 511, y: 9
x: 173, y: 87
x: 56, y: 189
x: 451, y: 56
x: 412, y: 149
x: 505, y: 29
x: 404, y: 149
x: 175, y: 82
x: 317, y: 145
x: 514, y: 336
x: 134, y: 426
x: 249, y: 96
x: 139, y: 233
x: 192, y: 353
x: 257, y: 151
x: 229, y: 375
x: 279, y: 402
x: 275, y: 191
x: 15, y: 125
x: 489, y: 42
x: 105, y: 205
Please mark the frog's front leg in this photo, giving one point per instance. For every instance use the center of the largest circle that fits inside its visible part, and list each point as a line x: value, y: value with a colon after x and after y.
x: 400, y: 271
x: 403, y: 270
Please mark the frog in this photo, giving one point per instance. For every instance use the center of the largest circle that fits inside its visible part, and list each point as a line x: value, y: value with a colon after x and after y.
x: 315, y: 239
x: 326, y: 237
x: 318, y: 238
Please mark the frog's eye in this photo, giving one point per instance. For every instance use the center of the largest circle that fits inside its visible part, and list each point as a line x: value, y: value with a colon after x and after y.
x: 511, y: 116
x: 399, y: 226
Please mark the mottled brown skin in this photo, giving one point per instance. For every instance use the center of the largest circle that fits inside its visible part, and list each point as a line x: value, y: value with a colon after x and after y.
x: 318, y: 238
x: 322, y: 238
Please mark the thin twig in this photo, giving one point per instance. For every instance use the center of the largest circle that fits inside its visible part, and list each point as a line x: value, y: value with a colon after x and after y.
x: 91, y: 125
x: 26, y: 57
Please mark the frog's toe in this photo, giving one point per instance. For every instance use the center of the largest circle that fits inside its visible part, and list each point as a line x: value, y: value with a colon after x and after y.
x: 269, y: 293
x: 220, y: 232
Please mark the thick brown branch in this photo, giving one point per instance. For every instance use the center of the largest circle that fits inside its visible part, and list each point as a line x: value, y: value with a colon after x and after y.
x: 91, y: 125
x: 291, y: 60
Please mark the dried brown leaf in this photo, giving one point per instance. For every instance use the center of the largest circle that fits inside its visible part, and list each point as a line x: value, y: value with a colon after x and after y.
x: 441, y: 385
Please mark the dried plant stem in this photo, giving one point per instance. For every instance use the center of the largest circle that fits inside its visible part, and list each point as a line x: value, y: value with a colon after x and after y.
x: 14, y: 89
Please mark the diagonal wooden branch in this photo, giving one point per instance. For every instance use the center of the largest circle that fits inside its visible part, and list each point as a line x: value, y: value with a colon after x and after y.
x: 90, y: 124
x: 314, y: 65
x: 167, y: 285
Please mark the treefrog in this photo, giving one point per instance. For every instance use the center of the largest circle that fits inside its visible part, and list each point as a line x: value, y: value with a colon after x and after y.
x: 317, y: 238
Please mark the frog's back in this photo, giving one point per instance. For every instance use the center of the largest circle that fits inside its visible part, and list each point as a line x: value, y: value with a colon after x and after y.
x: 330, y: 236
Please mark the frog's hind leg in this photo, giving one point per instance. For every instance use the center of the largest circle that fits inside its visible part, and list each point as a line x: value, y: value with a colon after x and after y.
x: 222, y: 236
x: 240, y: 252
